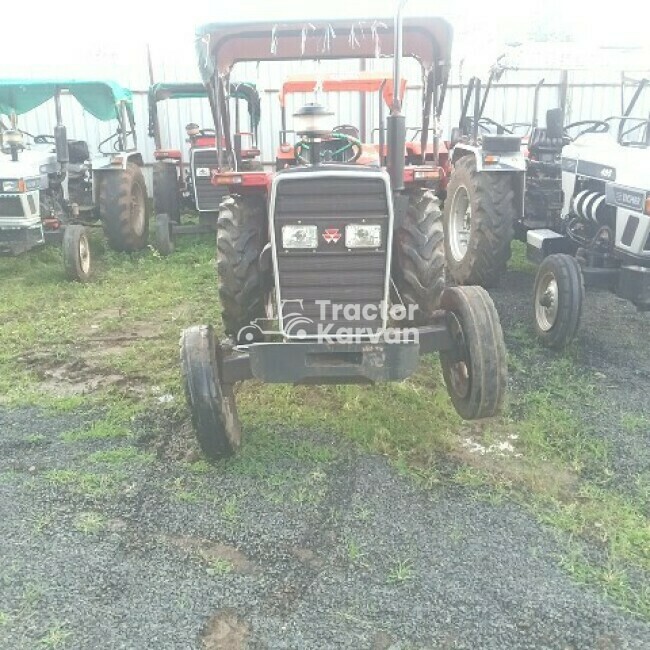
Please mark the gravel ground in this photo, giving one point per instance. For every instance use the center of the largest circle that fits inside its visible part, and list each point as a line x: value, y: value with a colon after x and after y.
x: 322, y: 550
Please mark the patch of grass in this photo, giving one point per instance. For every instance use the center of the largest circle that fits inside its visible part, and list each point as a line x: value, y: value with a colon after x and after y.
x: 36, y: 439
x: 88, y: 484
x: 219, y: 566
x: 182, y: 491
x: 102, y: 430
x: 354, y: 552
x: 230, y: 510
x: 401, y: 571
x: 42, y: 522
x: 4, y: 619
x: 519, y: 261
x: 121, y: 456
x: 89, y: 522
x: 633, y: 422
x: 56, y: 637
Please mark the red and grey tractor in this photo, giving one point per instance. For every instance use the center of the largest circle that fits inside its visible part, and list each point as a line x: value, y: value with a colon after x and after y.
x: 52, y: 188
x: 178, y: 186
x: 332, y: 271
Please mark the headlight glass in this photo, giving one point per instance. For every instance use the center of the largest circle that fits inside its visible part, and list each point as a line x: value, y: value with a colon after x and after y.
x: 363, y: 236
x: 10, y: 186
x: 299, y: 236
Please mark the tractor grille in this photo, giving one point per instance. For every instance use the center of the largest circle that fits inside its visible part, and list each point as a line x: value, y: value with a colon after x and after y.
x: 208, y: 196
x: 347, y: 277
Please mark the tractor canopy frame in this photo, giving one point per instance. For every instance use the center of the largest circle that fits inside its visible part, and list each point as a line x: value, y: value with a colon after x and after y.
x: 221, y: 45
x: 104, y: 100
x: 195, y: 90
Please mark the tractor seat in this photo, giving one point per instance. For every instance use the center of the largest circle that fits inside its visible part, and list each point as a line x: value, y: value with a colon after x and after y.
x: 539, y: 141
x: 78, y: 152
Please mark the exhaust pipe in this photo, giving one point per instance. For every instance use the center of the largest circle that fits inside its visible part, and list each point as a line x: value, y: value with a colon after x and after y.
x: 396, y: 122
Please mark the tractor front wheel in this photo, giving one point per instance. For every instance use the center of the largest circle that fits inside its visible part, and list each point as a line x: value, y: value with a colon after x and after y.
x: 166, y: 190
x: 241, y: 236
x: 211, y: 402
x: 164, y: 235
x: 123, y: 208
x: 76, y: 253
x: 479, y: 224
x: 559, y: 293
x: 418, y: 269
x: 475, y: 369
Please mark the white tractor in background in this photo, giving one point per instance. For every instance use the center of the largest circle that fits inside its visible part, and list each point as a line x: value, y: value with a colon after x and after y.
x: 604, y: 236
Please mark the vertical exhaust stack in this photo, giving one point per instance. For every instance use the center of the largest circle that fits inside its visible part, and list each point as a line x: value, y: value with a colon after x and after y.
x: 396, y: 122
x: 60, y: 134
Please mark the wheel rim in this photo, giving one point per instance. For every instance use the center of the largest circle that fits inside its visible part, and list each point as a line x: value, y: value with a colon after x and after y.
x: 460, y: 223
x: 137, y: 209
x: 84, y: 254
x: 546, y: 302
x: 459, y: 371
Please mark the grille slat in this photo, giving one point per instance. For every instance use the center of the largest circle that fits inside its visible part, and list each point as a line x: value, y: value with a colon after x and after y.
x: 332, y: 272
x: 208, y: 196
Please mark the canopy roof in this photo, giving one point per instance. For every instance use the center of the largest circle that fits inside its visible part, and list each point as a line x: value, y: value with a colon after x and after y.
x: 99, y: 98
x: 192, y: 90
x: 365, y: 82
x: 221, y: 45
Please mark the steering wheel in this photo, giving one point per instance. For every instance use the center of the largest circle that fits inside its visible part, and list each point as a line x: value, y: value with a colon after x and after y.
x: 350, y: 143
x: 596, y: 126
x: 44, y: 138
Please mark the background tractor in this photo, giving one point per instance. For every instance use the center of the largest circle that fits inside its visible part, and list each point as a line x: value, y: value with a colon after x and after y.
x: 603, y: 239
x: 51, y: 187
x: 177, y: 187
x: 344, y: 260
x: 371, y: 138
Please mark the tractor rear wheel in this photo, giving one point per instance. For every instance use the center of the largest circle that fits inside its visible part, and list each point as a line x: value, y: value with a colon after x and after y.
x: 475, y: 370
x: 479, y: 224
x: 211, y: 402
x: 419, y: 255
x: 241, y: 236
x: 123, y: 208
x: 166, y: 190
x: 559, y: 293
x: 76, y: 253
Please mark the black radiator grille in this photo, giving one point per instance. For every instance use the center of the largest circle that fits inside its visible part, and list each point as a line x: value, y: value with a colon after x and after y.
x: 352, y: 277
x: 208, y: 196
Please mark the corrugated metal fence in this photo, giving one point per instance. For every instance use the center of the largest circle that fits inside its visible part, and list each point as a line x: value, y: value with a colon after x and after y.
x: 590, y: 96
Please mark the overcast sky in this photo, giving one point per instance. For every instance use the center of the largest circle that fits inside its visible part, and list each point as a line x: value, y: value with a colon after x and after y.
x: 71, y: 32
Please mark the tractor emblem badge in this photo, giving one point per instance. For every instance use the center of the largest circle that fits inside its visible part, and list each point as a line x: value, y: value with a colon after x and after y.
x: 331, y: 235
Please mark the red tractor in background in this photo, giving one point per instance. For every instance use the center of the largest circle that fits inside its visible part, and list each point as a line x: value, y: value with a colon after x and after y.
x: 179, y: 186
x: 332, y: 271
x: 372, y: 153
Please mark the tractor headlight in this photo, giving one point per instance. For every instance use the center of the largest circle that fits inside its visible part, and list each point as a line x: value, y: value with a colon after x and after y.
x: 299, y: 236
x: 12, y: 186
x: 362, y: 236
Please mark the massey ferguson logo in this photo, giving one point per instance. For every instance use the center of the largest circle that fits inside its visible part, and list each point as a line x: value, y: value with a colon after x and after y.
x: 331, y: 235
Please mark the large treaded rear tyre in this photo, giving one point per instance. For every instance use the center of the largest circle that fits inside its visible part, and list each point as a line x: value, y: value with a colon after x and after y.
x: 475, y: 372
x: 558, y: 297
x: 478, y: 254
x: 164, y: 235
x: 123, y: 208
x: 241, y: 236
x: 166, y: 190
x: 418, y: 268
x: 211, y: 402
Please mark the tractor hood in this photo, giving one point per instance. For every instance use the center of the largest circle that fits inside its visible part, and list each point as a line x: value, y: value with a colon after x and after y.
x: 221, y: 45
x: 30, y: 164
x: 99, y: 98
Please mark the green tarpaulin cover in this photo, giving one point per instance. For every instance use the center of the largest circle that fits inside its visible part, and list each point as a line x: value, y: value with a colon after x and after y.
x: 99, y: 98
